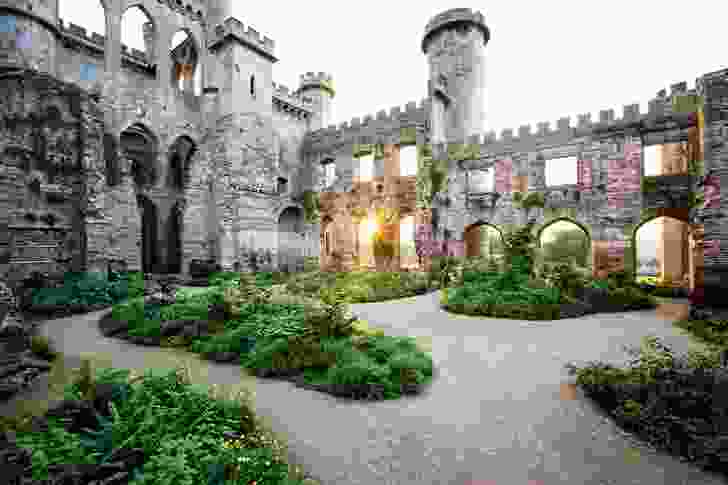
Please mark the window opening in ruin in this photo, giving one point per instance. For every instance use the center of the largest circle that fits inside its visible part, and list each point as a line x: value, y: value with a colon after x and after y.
x: 252, y: 86
x: 408, y: 160
x: 138, y: 32
x: 565, y: 242
x: 89, y: 14
x: 481, y: 181
x: 663, y: 255
x: 186, y: 72
x: 366, y: 168
x: 561, y: 171
x: 408, y: 255
x: 329, y: 168
x: 282, y: 185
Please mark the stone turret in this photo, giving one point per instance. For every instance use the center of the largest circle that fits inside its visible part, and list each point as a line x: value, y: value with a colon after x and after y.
x: 454, y: 43
x: 319, y: 88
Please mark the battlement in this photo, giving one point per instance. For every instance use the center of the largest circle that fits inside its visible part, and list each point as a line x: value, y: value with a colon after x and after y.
x: 99, y: 40
x: 389, y: 121
x: 233, y: 27
x: 291, y: 97
x: 319, y: 80
x: 410, y: 114
x: 452, y: 17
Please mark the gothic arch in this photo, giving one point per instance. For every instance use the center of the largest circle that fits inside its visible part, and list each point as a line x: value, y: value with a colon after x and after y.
x: 179, y: 161
x: 471, y: 232
x: 140, y: 145
x: 570, y: 220
x: 581, y: 226
x: 152, y: 50
x: 186, y: 61
x: 678, y: 215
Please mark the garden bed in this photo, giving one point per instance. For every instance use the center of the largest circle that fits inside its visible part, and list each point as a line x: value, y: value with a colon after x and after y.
x: 115, y: 428
x: 676, y: 403
x: 315, y: 343
x: 558, y: 292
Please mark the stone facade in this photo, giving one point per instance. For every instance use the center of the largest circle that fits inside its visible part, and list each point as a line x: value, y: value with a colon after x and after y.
x: 166, y: 174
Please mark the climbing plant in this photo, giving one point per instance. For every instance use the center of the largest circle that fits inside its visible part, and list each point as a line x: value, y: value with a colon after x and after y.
x: 311, y: 206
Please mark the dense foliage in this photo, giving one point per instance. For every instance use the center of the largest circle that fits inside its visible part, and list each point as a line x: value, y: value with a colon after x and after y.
x: 179, y: 427
x: 674, y: 402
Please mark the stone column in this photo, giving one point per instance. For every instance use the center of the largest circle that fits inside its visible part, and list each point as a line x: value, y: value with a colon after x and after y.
x: 112, y: 63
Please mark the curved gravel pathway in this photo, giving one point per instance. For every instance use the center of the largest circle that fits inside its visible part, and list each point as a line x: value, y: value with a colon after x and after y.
x: 497, y: 414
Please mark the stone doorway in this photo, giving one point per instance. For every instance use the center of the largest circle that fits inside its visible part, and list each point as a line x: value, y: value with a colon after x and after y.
x: 149, y: 242
x: 291, y: 240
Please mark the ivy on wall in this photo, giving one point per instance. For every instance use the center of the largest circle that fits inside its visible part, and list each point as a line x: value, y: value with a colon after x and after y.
x: 408, y: 136
x: 311, y: 206
x: 458, y: 152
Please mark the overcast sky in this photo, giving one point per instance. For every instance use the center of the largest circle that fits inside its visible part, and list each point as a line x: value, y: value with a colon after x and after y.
x: 545, y: 60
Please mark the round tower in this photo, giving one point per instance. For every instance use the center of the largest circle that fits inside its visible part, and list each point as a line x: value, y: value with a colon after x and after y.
x: 319, y: 88
x: 454, y: 43
x: 29, y: 30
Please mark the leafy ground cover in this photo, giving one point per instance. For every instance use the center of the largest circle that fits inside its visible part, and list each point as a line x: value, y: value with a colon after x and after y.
x: 185, y: 434
x: 675, y: 402
x: 315, y: 342
x: 361, y: 286
x: 550, y: 292
x: 80, y: 292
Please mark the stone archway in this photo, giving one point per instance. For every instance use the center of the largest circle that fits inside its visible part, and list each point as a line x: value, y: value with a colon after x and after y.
x: 586, y: 262
x: 150, y: 237
x: 291, y: 240
x: 473, y: 237
x: 140, y: 146
x: 180, y: 160
x: 673, y: 243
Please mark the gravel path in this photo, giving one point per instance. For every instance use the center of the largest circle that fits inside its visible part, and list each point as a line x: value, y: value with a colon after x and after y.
x: 495, y: 414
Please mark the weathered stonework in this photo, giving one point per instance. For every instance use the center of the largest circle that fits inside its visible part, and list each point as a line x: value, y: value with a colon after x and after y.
x: 163, y: 175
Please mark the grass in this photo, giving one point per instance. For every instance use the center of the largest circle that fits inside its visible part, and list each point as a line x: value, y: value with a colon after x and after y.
x: 177, y: 423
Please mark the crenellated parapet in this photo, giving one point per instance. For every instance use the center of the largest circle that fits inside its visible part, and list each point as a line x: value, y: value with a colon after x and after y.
x: 233, y: 28
x: 291, y: 102
x: 451, y: 18
x: 664, y: 115
x: 319, y: 80
x: 382, y: 127
x: 75, y: 33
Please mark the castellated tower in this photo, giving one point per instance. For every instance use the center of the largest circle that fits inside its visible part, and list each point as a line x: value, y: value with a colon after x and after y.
x: 454, y: 43
x: 31, y: 41
x: 320, y: 89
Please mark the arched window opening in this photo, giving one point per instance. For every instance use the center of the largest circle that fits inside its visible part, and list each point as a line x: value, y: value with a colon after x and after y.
x: 140, y: 147
x: 565, y: 242
x: 186, y: 72
x: 180, y: 160
x: 408, y: 161
x: 662, y: 250
x: 366, y: 168
x: 89, y: 14
x: 138, y: 32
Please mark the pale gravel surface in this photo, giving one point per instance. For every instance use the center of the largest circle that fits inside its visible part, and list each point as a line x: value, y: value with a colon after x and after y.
x: 494, y: 414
